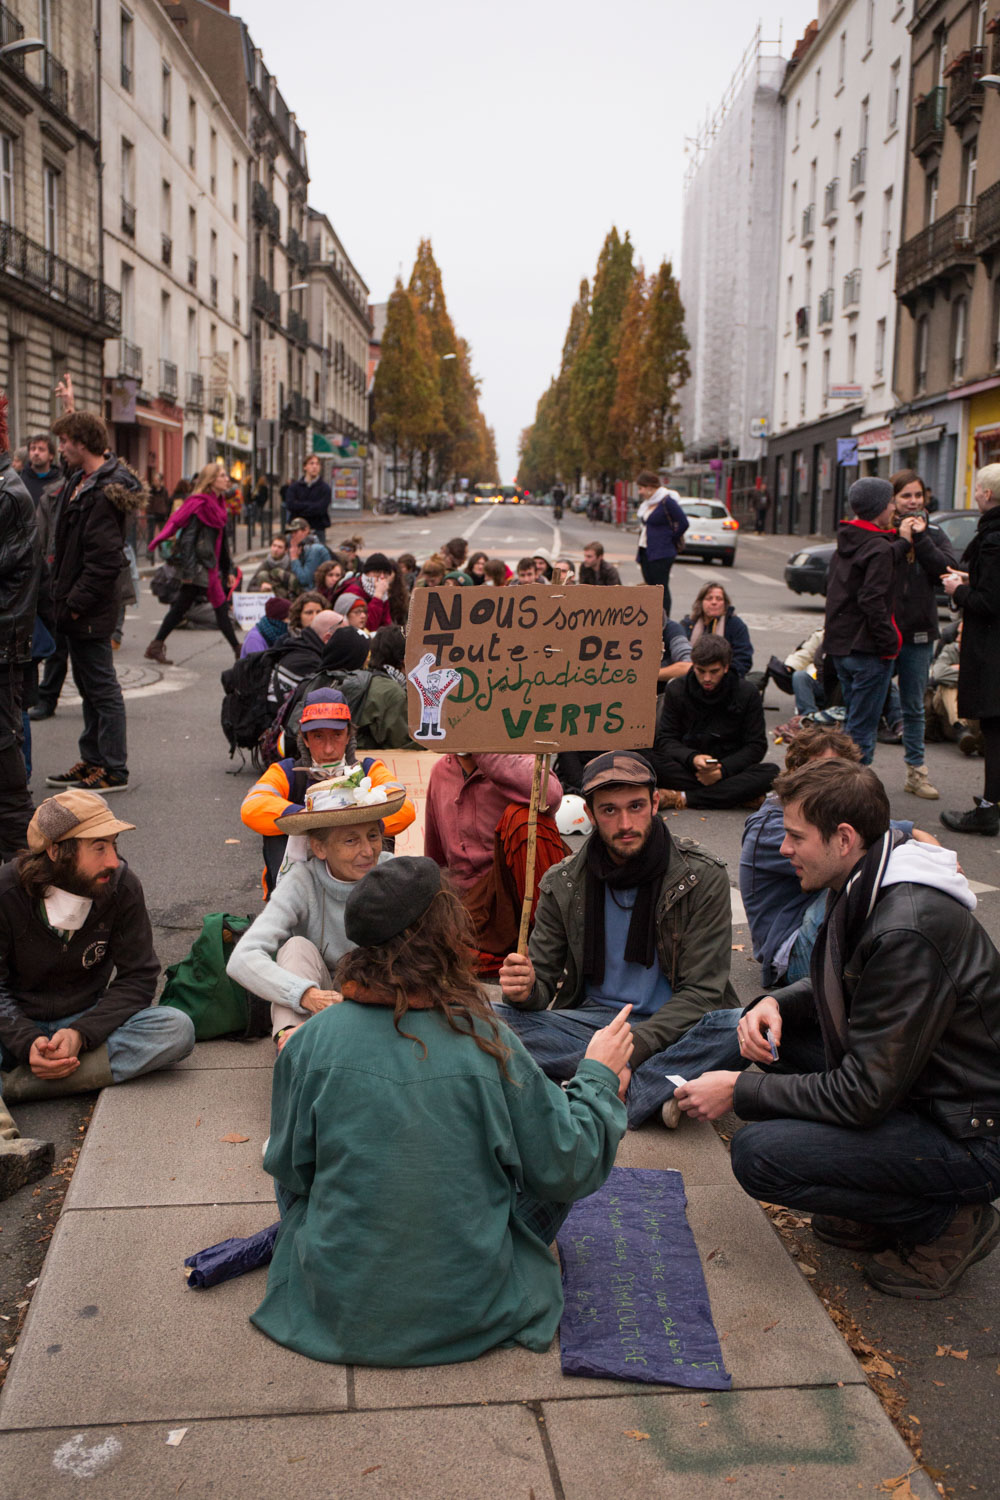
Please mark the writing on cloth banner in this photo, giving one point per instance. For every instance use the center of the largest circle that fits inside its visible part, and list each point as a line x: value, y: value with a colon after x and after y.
x: 534, y: 670
x: 637, y: 1305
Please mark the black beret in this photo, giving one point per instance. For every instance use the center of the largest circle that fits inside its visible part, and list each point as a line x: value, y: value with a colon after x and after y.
x: 389, y: 899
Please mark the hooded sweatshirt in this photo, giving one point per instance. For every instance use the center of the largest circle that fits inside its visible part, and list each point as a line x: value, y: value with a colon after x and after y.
x: 860, y: 588
x: 929, y: 864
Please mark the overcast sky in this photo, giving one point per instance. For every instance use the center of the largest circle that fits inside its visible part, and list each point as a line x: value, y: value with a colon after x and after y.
x: 514, y: 136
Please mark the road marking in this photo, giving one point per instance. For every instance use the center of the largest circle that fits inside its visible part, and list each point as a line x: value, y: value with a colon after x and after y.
x: 979, y: 889
x: 739, y: 910
x: 761, y: 578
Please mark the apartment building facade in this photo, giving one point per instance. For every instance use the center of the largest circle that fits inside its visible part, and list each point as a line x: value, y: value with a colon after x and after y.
x: 56, y: 310
x: 844, y: 152
x: 340, y: 334
x: 176, y: 178
x: 947, y: 372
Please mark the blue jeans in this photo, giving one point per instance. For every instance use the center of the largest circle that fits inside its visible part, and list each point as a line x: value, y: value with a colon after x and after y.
x: 558, y: 1039
x: 102, y: 742
x: 864, y: 680
x: 152, y: 1038
x: 801, y: 954
x: 912, y: 666
x: 804, y: 688
x: 904, y: 1174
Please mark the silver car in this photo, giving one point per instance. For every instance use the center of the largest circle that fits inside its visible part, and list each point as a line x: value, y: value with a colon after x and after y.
x: 712, y: 532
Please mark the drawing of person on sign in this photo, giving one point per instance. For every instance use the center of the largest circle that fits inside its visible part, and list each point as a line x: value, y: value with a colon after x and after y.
x: 433, y: 684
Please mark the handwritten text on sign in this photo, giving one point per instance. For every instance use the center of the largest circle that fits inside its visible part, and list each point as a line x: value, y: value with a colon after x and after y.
x: 534, y: 669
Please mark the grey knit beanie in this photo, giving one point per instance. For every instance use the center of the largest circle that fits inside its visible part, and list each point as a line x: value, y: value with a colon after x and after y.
x: 868, y: 498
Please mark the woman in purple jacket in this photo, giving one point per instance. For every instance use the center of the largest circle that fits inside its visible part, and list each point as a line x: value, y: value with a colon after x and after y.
x: 663, y: 523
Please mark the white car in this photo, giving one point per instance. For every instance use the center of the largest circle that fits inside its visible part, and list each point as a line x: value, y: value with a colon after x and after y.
x: 712, y: 531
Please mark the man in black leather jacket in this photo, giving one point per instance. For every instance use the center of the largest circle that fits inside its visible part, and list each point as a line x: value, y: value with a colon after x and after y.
x: 20, y: 571
x: 881, y: 1114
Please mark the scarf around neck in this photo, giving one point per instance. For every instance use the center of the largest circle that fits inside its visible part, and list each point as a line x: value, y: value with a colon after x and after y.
x: 643, y: 873
x: 272, y: 630
x: 847, y: 911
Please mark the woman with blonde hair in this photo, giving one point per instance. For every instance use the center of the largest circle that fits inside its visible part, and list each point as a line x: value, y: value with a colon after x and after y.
x: 201, y: 557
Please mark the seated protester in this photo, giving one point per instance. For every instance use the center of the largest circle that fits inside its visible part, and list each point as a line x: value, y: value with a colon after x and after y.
x: 476, y: 828
x: 329, y: 578
x: 497, y: 572
x: 274, y: 575
x: 710, y: 735
x: 563, y: 571
x: 269, y: 629
x: 77, y: 973
x: 676, y: 660
x: 476, y: 567
x: 456, y: 579
x: 783, y: 918
x: 942, y: 693
x: 882, y: 1116
x: 526, y: 572
x: 712, y: 614
x: 431, y: 574
x: 353, y: 610
x: 289, y: 952
x: 543, y: 566
x: 807, y: 686
x: 380, y: 693
x: 454, y: 554
x: 299, y: 656
x: 633, y: 918
x: 372, y: 587
x: 385, y: 1104
x: 305, y: 551
x: 325, y: 732
x: 594, y: 568
x: 407, y: 565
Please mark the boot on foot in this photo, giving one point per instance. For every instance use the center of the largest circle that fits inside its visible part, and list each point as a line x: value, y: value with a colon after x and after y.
x: 918, y: 782
x: 984, y: 818
x: 851, y: 1234
x: 157, y: 651
x: 925, y: 1273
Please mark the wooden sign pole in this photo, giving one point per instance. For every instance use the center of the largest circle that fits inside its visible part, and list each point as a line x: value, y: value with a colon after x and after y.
x: 540, y: 772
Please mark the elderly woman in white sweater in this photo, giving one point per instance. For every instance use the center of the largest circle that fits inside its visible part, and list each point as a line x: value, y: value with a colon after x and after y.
x: 290, y: 952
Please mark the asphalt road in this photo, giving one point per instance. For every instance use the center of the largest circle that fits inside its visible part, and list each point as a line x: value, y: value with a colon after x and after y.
x: 194, y: 856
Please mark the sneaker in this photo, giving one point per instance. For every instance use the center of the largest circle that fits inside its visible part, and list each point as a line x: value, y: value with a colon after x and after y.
x: 75, y: 776
x: 925, y: 1273
x: 984, y: 819
x: 41, y: 710
x: 918, y: 782
x: 104, y: 781
x: 670, y: 1114
x: 851, y: 1234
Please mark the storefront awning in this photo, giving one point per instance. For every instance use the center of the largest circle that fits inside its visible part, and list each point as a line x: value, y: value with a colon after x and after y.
x: 147, y: 418
x: 919, y: 438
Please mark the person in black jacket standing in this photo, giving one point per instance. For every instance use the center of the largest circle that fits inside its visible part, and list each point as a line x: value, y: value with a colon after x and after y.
x: 861, y: 636
x: 311, y: 497
x: 877, y: 1109
x: 925, y: 555
x: 89, y: 556
x: 20, y: 572
x: 976, y: 592
x: 710, y: 737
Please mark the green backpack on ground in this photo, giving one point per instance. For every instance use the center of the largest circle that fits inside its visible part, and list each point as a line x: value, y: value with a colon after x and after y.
x: 200, y: 987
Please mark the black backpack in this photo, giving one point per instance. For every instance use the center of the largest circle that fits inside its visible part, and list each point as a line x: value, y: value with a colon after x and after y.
x: 245, y: 714
x: 280, y: 739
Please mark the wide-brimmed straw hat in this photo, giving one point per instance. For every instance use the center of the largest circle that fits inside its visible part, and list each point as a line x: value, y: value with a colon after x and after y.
x: 320, y: 811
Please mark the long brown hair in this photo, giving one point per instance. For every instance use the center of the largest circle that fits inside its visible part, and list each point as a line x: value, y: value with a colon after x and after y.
x: 706, y: 588
x: 432, y: 963
x: 904, y: 477
x: 36, y: 872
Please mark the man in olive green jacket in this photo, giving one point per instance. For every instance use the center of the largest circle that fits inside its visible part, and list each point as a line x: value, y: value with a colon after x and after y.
x: 636, y: 918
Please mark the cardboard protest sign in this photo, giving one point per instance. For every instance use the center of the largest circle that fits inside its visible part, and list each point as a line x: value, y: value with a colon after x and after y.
x: 534, y: 670
x: 248, y: 608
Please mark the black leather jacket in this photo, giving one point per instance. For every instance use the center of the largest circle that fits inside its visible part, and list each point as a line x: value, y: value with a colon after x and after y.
x: 20, y: 566
x: 922, y: 989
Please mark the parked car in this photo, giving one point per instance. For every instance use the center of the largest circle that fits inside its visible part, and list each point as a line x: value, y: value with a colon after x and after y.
x: 805, y: 571
x: 712, y: 532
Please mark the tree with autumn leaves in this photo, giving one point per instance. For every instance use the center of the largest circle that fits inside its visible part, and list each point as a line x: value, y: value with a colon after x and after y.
x: 426, y: 397
x: 612, y: 409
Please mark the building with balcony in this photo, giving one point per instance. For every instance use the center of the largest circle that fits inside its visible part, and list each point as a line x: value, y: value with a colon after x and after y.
x: 947, y: 370
x: 176, y: 173
x: 340, y: 335
x: 277, y: 288
x: 55, y: 309
x: 729, y: 251
x: 844, y: 144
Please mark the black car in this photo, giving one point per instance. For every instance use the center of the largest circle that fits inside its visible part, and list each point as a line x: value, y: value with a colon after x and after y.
x: 805, y: 571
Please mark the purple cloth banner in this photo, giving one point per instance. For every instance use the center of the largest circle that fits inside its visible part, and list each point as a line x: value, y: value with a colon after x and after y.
x: 636, y: 1302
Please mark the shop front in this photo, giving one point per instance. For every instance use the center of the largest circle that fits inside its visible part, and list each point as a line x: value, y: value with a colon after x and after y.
x: 926, y: 439
x: 807, y: 475
x: 984, y: 434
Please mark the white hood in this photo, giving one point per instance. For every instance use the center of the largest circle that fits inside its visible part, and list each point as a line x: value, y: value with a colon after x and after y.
x: 914, y: 863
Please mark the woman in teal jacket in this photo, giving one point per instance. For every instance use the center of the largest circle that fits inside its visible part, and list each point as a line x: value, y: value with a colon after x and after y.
x: 422, y: 1160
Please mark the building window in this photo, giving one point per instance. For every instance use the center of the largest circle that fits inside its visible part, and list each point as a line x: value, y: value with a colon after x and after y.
x: 794, y: 208
x: 803, y: 383
x: 841, y: 59
x: 127, y: 33
x: 128, y: 300
x: 826, y: 377
x: 869, y: 23
x: 50, y: 208
x: 213, y: 151
x: 880, y: 347
x: 921, y: 352
x: 930, y: 198
x: 6, y: 178
x: 959, y: 331
x: 831, y: 262
x: 887, y: 223
x: 789, y: 299
x: 784, y: 399
x: 863, y: 126
x: 236, y: 189
x: 970, y: 152
x: 192, y: 132
x: 798, y: 119
x: 893, y: 119
x: 852, y: 358
x: 165, y: 342
x: 817, y: 86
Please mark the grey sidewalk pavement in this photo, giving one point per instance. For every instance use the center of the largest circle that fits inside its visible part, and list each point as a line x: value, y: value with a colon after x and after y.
x: 117, y: 1353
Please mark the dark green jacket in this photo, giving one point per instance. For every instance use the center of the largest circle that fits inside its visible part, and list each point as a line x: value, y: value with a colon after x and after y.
x: 694, y: 941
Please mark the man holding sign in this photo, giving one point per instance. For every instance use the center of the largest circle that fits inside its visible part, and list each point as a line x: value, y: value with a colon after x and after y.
x: 633, y: 918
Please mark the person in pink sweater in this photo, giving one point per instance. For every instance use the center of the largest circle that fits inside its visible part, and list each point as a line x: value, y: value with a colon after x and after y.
x: 372, y: 585
x: 476, y: 828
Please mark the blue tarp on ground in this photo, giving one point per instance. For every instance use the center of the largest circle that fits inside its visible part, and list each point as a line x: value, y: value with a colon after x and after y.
x: 636, y: 1302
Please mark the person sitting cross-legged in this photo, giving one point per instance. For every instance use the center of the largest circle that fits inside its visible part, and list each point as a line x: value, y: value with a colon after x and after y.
x: 636, y: 918
x: 77, y: 971
x: 881, y: 1115
x: 710, y: 737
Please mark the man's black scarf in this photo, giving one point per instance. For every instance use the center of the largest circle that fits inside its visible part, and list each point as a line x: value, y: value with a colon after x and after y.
x: 847, y: 911
x: 644, y: 873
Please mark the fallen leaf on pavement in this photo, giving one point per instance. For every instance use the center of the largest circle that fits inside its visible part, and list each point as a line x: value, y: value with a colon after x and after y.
x: 900, y: 1486
x: 633, y: 1432
x: 197, y: 1122
x: 941, y: 1382
x: 232, y: 841
x: 768, y: 1326
x: 805, y: 1269
x: 942, y: 1349
x: 874, y: 1364
x: 959, y: 1353
x: 233, y: 1138
x: 739, y: 947
x: 371, y: 1468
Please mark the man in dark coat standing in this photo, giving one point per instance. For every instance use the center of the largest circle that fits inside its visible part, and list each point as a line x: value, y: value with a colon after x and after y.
x: 976, y: 592
x: 20, y: 571
x: 311, y: 497
x: 861, y: 636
